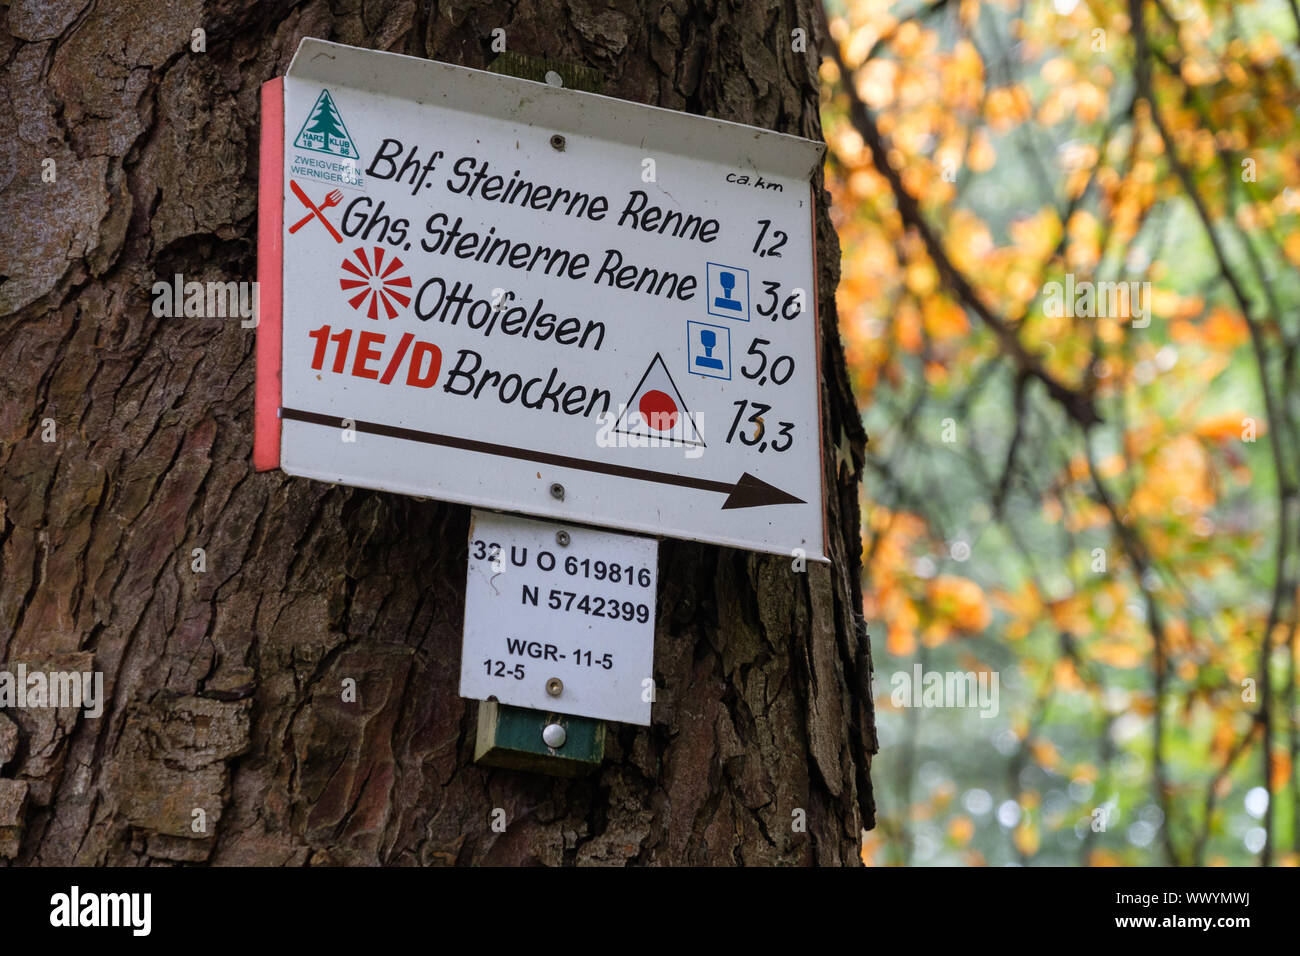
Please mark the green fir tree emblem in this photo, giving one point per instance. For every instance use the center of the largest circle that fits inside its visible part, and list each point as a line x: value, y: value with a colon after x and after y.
x: 324, y: 130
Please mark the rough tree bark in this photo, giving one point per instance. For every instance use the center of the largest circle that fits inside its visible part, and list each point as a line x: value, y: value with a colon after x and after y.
x: 223, y: 686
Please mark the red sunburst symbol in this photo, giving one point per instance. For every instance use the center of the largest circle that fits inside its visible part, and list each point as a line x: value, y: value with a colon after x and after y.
x: 375, y: 285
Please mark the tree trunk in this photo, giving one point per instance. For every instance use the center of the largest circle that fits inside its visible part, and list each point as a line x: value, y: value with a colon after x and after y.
x: 223, y: 684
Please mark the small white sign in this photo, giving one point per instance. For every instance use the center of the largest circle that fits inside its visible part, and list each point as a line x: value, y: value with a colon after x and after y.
x: 560, y: 618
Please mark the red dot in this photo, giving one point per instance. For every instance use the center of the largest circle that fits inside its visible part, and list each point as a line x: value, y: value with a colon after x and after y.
x: 658, y: 409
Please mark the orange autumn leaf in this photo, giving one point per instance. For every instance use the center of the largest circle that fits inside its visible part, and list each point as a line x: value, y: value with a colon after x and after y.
x: 907, y: 326
x: 1024, y: 607
x: 936, y: 633
x: 1058, y: 71
x: 1105, y: 858
x: 981, y: 156
x: 1179, y: 471
x: 961, y: 601
x: 1291, y: 246
x: 1143, y: 705
x: 1224, y: 329
x: 1027, y: 838
x: 901, y: 642
x: 1281, y: 769
x: 1118, y: 653
x: 876, y: 81
x: 1045, y: 753
x: 921, y: 277
x: 944, y: 319
x: 1067, y: 675
x: 1224, y: 739
x: 960, y: 830
x: 1070, y: 614
x: 873, y: 847
x: 1005, y: 106
x: 1084, y: 771
x: 1229, y: 426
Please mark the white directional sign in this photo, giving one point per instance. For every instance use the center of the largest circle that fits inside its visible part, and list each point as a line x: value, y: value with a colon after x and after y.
x: 532, y: 299
x: 559, y: 618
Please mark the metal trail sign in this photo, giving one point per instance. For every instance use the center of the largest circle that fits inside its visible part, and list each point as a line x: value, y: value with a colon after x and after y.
x: 524, y: 298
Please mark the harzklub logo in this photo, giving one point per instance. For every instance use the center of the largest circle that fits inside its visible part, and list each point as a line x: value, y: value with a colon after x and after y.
x: 370, y: 282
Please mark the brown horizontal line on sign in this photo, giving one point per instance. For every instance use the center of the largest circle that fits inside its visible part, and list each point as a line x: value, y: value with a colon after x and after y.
x: 747, y: 492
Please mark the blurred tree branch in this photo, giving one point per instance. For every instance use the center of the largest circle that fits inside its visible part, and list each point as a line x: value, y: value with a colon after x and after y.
x: 1078, y: 404
x: 1283, y: 590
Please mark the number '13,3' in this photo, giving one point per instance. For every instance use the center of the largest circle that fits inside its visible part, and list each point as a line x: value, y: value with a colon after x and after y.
x: 785, y: 429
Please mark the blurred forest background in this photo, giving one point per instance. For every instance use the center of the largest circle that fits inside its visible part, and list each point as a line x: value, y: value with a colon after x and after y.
x: 1100, y: 509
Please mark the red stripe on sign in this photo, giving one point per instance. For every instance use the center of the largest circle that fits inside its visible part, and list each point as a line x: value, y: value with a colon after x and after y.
x: 817, y: 351
x: 270, y: 274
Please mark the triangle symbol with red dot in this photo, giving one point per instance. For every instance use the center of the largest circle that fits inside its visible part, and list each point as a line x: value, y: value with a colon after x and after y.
x: 656, y: 409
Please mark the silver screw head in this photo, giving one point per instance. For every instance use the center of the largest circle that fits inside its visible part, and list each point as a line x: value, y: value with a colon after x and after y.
x: 554, y: 736
x: 557, y: 491
x: 562, y: 538
x: 557, y: 142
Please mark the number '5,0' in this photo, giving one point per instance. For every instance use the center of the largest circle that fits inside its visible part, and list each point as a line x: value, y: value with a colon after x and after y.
x: 780, y: 372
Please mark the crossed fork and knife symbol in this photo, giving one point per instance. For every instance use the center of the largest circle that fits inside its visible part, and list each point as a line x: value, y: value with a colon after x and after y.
x: 333, y: 199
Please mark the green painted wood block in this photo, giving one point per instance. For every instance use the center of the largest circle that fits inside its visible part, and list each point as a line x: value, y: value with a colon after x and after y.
x: 511, y: 737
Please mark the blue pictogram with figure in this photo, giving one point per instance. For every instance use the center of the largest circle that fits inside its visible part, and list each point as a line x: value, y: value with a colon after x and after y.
x: 727, y: 291
x: 708, y: 349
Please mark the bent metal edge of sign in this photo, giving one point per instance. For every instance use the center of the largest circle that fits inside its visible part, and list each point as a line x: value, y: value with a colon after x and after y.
x: 497, y: 292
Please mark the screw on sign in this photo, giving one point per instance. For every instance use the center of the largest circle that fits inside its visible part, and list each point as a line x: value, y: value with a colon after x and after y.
x: 375, y: 285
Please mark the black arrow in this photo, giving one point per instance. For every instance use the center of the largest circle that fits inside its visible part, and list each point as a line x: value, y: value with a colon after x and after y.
x: 748, y: 492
